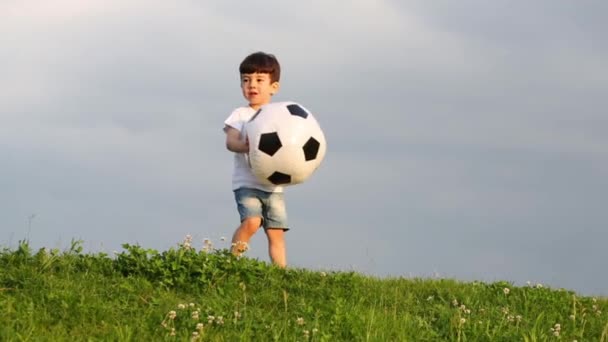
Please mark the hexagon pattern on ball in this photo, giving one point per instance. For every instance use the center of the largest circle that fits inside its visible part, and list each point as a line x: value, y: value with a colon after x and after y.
x: 287, y: 144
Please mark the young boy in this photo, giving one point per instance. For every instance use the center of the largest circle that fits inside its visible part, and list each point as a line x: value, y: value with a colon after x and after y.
x: 258, y: 204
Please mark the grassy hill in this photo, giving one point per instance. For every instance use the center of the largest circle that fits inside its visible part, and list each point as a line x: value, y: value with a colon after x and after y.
x: 185, y: 294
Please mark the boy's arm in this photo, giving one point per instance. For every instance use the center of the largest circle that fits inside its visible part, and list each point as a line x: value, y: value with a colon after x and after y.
x: 234, y: 142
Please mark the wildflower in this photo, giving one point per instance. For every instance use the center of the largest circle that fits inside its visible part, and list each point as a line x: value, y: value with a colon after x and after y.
x: 463, y: 307
x: 219, y: 320
x: 557, y: 328
x: 463, y: 320
x: 505, y: 311
x: 195, y: 315
x: 572, y: 317
x: 539, y: 286
x: 210, y: 319
x: 529, y: 283
x: 455, y: 302
x: 195, y: 336
x: 518, y: 318
x: 511, y: 318
x: 172, y: 314
x: 199, y: 326
x: 506, y: 290
x: 430, y: 298
x: 306, y: 333
x: 191, y: 305
x: 315, y: 330
x: 172, y: 332
x: 181, y: 306
x: 237, y: 315
x: 300, y: 321
x: 187, y: 244
x: 323, y: 274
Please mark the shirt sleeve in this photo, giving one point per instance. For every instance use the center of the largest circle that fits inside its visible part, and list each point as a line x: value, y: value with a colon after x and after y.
x: 235, y: 120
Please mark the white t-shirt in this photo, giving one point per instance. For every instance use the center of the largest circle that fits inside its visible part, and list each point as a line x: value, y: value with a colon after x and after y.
x: 242, y: 176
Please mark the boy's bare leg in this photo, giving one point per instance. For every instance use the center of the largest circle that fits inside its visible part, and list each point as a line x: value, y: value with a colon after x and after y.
x: 244, y: 232
x: 276, y: 246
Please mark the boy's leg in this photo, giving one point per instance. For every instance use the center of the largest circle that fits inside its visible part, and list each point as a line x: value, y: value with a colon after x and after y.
x: 250, y: 211
x: 276, y: 246
x: 244, y: 232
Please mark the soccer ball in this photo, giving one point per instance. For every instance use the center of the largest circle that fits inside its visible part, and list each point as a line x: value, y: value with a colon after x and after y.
x: 286, y: 143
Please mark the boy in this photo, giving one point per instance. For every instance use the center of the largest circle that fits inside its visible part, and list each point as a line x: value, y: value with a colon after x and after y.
x: 258, y: 204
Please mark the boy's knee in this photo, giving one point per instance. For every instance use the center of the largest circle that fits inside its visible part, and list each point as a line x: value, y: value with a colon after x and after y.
x: 251, y: 224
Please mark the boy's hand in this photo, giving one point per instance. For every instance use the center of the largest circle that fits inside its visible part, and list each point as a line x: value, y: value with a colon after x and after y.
x: 234, y: 142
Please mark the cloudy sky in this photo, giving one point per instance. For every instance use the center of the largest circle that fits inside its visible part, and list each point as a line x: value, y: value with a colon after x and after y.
x: 466, y: 139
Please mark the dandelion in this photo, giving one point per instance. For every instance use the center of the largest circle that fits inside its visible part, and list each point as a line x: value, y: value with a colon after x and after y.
x: 300, y: 321
x: 506, y: 290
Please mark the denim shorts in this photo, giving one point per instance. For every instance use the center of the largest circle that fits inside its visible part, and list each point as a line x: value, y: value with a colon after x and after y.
x: 270, y: 206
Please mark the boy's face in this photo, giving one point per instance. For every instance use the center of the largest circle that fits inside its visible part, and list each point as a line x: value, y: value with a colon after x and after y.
x: 258, y: 89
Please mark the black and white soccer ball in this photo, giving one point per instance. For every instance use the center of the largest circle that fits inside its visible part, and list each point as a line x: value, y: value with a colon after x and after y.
x: 286, y: 143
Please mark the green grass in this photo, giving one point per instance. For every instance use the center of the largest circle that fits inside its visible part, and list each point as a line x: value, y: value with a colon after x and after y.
x: 145, y: 295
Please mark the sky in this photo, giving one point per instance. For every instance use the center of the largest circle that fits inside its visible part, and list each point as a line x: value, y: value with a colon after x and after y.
x: 466, y: 140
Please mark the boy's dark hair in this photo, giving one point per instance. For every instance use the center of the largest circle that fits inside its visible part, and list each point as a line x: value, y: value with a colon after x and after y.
x: 263, y: 63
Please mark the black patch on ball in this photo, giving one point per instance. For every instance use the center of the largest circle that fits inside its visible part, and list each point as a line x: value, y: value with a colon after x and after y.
x: 294, y: 109
x: 269, y: 143
x: 278, y: 178
x: 255, y: 115
x: 311, y: 149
